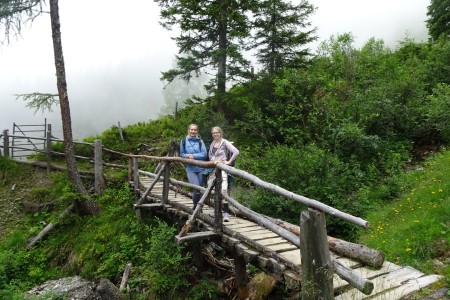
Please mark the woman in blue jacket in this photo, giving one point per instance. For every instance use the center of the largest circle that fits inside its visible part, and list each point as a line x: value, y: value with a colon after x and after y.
x: 193, y: 147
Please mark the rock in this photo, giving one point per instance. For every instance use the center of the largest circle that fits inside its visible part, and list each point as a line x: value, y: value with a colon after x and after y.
x: 261, y: 285
x: 108, y: 290
x: 76, y: 288
x: 440, y: 294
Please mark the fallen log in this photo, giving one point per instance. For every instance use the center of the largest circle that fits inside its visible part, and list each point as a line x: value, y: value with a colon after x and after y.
x: 126, y: 274
x: 361, y: 253
x: 49, y: 227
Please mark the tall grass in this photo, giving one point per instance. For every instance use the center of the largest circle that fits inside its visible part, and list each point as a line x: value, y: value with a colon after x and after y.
x: 415, y: 228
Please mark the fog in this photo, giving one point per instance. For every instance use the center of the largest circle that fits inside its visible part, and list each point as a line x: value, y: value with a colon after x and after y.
x: 389, y: 20
x: 114, y: 56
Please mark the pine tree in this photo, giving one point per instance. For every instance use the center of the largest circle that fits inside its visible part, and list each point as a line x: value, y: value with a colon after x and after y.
x: 212, y: 37
x: 281, y: 32
x: 438, y: 21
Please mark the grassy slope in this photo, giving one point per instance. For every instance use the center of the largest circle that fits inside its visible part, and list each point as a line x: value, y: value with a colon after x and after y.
x: 415, y: 228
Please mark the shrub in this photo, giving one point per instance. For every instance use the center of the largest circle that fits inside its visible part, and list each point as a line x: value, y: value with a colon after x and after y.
x: 165, y: 265
x: 311, y: 172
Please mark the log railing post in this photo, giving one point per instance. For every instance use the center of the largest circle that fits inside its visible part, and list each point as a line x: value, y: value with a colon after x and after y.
x: 218, y: 201
x: 323, y: 266
x: 241, y: 278
x: 48, y: 147
x: 130, y: 169
x: 136, y: 189
x: 5, y: 143
x: 136, y: 177
x: 166, y: 182
x: 317, y: 268
x: 99, y: 182
x: 307, y: 259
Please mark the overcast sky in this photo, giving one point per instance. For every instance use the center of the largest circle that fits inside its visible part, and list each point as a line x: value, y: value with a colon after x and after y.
x: 114, y: 55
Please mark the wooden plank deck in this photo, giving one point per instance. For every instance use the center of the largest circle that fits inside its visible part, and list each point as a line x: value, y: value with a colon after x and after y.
x: 390, y: 281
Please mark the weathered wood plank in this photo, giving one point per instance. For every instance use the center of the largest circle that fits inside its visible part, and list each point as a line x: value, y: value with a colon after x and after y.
x: 195, y: 236
x: 260, y: 235
x: 272, y: 241
x: 408, y: 287
x: 293, y: 255
x: 148, y: 205
x: 238, y: 225
x: 282, y: 247
x: 383, y: 283
x: 244, y: 229
x: 248, y: 254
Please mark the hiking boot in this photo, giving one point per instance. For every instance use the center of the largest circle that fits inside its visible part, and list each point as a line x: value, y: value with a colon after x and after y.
x: 226, y: 217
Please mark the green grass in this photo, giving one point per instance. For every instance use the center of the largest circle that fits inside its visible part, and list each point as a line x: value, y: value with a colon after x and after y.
x: 414, y: 229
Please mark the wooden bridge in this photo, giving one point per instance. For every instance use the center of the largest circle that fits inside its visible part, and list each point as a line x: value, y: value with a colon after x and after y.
x: 300, y: 256
x: 252, y: 242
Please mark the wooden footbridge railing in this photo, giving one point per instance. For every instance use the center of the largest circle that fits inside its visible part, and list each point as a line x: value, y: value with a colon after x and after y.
x: 299, y: 255
x: 296, y: 254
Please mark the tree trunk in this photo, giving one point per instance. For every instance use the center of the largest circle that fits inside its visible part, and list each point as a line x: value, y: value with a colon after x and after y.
x: 222, y: 60
x: 63, y: 97
x: 88, y: 206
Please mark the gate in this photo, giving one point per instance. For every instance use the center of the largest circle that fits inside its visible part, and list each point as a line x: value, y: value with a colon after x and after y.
x: 23, y: 146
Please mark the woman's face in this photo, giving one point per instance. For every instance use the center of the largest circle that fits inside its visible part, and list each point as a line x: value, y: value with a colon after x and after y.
x: 216, y: 135
x: 193, y: 131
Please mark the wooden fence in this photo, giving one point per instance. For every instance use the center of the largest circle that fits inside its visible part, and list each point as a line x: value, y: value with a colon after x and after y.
x: 317, y: 264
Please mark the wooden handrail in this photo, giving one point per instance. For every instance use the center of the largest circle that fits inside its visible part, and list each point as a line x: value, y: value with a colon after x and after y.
x: 252, y: 178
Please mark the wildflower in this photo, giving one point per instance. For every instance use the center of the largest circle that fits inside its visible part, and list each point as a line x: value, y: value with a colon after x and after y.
x: 408, y: 249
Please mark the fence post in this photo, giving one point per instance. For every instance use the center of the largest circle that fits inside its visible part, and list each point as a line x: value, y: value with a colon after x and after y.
x: 323, y: 265
x: 120, y: 131
x: 99, y: 182
x: 166, y: 182
x: 130, y: 169
x: 241, y: 278
x: 307, y: 259
x: 48, y: 147
x: 317, y: 268
x: 136, y: 177
x: 5, y: 143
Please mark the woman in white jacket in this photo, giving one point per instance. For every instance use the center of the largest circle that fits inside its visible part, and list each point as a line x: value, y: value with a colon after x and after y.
x: 223, y: 151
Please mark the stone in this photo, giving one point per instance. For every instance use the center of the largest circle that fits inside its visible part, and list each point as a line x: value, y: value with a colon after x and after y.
x: 76, y: 288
